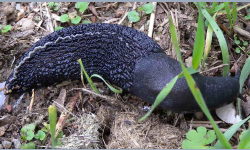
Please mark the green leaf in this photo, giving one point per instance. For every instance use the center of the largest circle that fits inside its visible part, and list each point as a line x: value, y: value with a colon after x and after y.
x: 30, y: 145
x: 245, y: 43
x: 244, y: 73
x: 30, y: 135
x: 147, y: 8
x: 247, y: 17
x: 6, y: 28
x: 64, y: 18
x: 231, y: 131
x: 86, y: 22
x: 118, y: 91
x: 237, y: 50
x: 92, y: 85
x: 160, y: 97
x: 46, y: 127
x: 199, y: 42
x: 58, y: 28
x: 221, y: 39
x: 52, y: 122
x: 40, y: 135
x: 28, y: 127
x: 76, y: 20
x: 27, y: 132
x: 51, y: 4
x: 244, y: 140
x: 133, y: 16
x: 237, y: 42
x: 199, y: 138
x: 82, y: 6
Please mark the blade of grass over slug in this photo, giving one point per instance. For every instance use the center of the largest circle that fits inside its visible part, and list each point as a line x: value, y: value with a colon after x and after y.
x: 52, y: 123
x: 160, y: 97
x: 230, y: 132
x: 221, y: 39
x: 199, y: 42
x: 92, y: 85
x: 244, y: 73
x: 194, y: 89
x: 164, y: 93
x: 117, y: 91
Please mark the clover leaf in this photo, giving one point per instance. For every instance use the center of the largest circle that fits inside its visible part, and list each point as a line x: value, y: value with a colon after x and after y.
x: 199, y: 139
x: 76, y: 20
x: 40, y: 135
x: 147, y: 8
x: 133, y: 16
x: 27, y: 132
x: 64, y: 18
x: 82, y: 6
x: 6, y: 28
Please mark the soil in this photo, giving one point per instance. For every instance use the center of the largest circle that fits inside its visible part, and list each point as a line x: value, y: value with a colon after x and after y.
x: 108, y: 121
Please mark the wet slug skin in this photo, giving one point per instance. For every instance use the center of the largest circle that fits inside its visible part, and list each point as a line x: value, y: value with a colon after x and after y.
x: 121, y: 55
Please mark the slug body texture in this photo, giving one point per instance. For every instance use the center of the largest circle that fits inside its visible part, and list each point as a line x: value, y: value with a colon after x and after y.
x: 123, y: 56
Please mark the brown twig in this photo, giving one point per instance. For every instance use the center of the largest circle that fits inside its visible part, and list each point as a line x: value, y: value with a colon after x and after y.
x: 50, y: 24
x: 220, y: 66
x: 32, y: 100
x: 241, y: 32
x: 65, y: 114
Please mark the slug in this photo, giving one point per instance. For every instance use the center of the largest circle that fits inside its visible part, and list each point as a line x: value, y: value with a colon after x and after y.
x: 123, y: 56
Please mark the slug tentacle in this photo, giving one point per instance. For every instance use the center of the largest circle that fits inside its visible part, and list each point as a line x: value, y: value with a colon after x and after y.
x: 123, y: 56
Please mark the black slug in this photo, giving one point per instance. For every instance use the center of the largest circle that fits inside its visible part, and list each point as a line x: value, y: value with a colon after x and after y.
x: 123, y: 56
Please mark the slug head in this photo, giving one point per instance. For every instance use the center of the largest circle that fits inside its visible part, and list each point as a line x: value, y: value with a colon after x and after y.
x: 152, y: 73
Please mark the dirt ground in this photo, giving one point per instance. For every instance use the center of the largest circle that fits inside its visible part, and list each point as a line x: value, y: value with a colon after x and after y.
x: 108, y: 121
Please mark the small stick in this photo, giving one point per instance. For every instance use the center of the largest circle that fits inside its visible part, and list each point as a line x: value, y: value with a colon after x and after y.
x: 91, y: 92
x: 123, y: 18
x: 220, y: 66
x: 242, y: 32
x: 32, y: 100
x: 50, y: 24
x: 151, y: 21
x: 65, y: 114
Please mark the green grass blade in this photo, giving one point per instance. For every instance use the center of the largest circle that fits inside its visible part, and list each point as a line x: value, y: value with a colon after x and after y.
x: 244, y: 73
x: 164, y: 93
x: 231, y: 131
x: 52, y: 122
x: 244, y: 140
x: 92, y: 85
x: 194, y: 88
x: 234, y: 13
x: 221, y: 39
x: 174, y: 39
x: 160, y: 97
x: 199, y: 42
x: 231, y: 13
x: 117, y: 91
x: 217, y: 8
x: 214, y: 6
x: 228, y: 13
x: 200, y: 100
